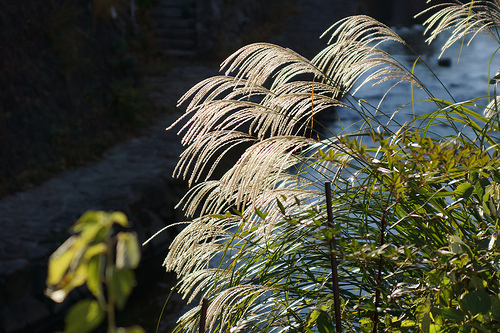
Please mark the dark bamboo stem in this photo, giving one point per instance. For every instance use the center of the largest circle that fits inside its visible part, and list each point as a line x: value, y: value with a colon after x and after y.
x: 203, y: 314
x: 379, y: 275
x: 380, y: 262
x: 333, y: 259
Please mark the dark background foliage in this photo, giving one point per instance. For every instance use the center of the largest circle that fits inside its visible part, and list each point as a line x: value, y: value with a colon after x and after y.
x: 69, y: 84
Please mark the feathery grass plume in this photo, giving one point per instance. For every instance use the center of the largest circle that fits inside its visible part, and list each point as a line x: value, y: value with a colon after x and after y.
x: 464, y: 18
x: 415, y: 213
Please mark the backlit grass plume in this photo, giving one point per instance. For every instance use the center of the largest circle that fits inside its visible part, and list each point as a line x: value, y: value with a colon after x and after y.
x: 407, y: 240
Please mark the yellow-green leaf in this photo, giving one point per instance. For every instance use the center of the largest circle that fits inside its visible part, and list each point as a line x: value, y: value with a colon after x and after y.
x: 423, y: 316
x: 120, y: 218
x: 434, y: 328
x: 94, y: 250
x: 89, y: 233
x: 132, y: 329
x: 71, y: 280
x: 83, y: 317
x: 123, y: 283
x: 94, y: 279
x: 88, y: 218
x: 60, y: 261
x: 495, y: 307
x: 464, y: 190
x: 128, y: 253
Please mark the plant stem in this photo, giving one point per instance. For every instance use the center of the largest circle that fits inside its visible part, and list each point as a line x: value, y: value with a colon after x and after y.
x: 380, y: 260
x: 203, y: 314
x: 111, y: 292
x: 379, y: 275
x: 333, y: 259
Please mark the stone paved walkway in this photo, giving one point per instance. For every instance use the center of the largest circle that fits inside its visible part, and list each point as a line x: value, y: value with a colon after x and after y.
x: 130, y: 177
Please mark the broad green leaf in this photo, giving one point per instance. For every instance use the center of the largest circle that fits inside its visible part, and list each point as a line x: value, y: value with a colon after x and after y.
x: 423, y: 316
x: 90, y: 232
x: 455, y: 244
x: 479, y: 328
x: 495, y: 307
x: 83, y: 317
x: 451, y: 314
x: 123, y: 283
x: 366, y: 324
x: 217, y: 216
x: 71, y: 280
x: 88, y: 218
x: 464, y: 329
x: 94, y: 250
x: 446, y: 296
x: 60, y: 260
x: 297, y: 201
x: 463, y: 190
x: 486, y: 208
x: 324, y: 324
x: 95, y: 276
x: 434, y: 328
x: 493, y: 208
x: 496, y: 175
x: 312, y: 317
x: 128, y: 252
x: 480, y: 187
x: 477, y: 301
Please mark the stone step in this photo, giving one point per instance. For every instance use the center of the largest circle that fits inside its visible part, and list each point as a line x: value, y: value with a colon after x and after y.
x: 178, y: 3
x: 168, y: 11
x: 180, y: 33
x: 173, y: 22
x: 179, y: 53
x: 175, y: 31
x: 176, y: 43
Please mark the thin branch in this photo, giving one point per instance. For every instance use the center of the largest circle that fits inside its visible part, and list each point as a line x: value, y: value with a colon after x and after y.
x: 380, y: 260
x: 203, y: 314
x: 333, y: 258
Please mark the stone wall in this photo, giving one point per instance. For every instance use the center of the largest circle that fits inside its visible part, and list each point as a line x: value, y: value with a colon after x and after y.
x: 223, y: 22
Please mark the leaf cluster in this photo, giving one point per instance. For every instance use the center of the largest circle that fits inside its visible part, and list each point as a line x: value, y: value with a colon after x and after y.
x: 102, y: 259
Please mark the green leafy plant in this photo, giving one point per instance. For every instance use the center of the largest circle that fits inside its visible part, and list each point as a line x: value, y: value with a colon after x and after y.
x: 389, y: 227
x: 103, y: 260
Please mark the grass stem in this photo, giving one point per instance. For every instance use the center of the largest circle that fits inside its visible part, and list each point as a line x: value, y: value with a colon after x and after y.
x: 333, y: 259
x: 203, y: 314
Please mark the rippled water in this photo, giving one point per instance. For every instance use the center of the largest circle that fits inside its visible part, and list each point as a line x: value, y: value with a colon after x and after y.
x: 465, y: 79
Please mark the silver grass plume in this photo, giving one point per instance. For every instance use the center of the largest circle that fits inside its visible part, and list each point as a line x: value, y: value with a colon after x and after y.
x: 263, y: 104
x: 464, y: 18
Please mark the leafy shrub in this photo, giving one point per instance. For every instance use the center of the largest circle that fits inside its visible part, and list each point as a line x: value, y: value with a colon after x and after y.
x: 390, y: 227
x: 102, y: 259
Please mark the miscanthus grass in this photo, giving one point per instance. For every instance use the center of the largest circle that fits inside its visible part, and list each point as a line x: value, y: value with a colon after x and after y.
x: 407, y: 239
